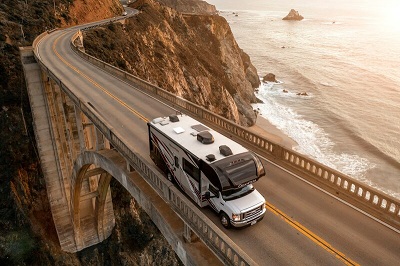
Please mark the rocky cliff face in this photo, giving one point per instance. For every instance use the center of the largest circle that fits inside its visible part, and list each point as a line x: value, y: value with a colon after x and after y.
x: 27, y: 233
x: 193, y: 56
x: 91, y: 10
x: 190, y: 6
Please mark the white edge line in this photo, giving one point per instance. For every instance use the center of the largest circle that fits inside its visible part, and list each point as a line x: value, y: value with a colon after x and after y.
x: 333, y: 196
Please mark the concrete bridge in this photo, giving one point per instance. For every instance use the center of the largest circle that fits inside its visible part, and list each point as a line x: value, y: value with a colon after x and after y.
x: 90, y: 127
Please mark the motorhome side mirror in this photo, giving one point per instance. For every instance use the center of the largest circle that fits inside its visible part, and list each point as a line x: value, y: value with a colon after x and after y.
x: 207, y: 195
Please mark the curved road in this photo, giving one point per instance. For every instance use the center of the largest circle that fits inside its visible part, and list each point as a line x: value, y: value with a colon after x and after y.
x: 303, y: 225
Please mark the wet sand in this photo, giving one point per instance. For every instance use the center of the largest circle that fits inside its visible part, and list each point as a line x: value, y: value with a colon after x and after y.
x: 264, y: 128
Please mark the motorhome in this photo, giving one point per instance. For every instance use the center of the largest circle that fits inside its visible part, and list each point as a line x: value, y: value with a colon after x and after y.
x: 210, y: 168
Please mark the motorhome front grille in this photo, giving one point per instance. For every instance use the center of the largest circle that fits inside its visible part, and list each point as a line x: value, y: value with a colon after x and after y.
x: 252, y: 213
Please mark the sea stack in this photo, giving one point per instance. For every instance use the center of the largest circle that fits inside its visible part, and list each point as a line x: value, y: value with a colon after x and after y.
x: 269, y: 78
x: 293, y: 15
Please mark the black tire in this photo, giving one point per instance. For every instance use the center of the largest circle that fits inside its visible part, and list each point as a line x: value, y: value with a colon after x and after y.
x: 224, y: 219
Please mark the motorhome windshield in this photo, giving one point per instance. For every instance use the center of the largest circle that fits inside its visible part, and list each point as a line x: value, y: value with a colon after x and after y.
x: 243, y: 170
x: 237, y: 193
x: 238, y: 170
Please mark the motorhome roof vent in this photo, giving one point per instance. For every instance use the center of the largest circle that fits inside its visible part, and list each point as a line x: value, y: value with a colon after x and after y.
x: 173, y: 118
x: 199, y: 127
x: 205, y: 137
x: 225, y: 150
x: 157, y: 120
x: 178, y: 130
x: 210, y: 157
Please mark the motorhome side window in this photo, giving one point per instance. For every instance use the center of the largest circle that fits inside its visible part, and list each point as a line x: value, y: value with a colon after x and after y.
x: 191, y: 170
x: 176, y: 161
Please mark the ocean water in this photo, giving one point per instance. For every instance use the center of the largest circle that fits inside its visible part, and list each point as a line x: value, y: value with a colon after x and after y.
x: 346, y: 56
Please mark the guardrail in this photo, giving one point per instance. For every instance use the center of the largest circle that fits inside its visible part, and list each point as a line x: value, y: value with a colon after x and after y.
x: 371, y: 200
x: 216, y: 240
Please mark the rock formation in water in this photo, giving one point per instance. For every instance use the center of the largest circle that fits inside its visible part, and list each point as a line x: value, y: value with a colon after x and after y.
x: 193, y: 56
x: 293, y: 15
x: 269, y: 78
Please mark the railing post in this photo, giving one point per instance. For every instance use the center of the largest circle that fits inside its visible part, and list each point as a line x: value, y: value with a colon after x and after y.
x: 189, y: 235
x: 129, y: 167
x: 277, y: 151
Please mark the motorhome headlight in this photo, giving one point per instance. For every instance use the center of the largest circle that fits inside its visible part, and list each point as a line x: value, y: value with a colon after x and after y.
x: 235, y: 217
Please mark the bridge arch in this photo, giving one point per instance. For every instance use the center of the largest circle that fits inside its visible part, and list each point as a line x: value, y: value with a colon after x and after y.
x: 91, y: 204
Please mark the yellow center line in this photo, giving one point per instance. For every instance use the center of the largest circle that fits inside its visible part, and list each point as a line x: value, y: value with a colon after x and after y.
x: 316, y: 239
x: 138, y: 114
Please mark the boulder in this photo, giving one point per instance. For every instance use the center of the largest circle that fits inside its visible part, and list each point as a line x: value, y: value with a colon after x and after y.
x: 269, y: 78
x: 293, y: 15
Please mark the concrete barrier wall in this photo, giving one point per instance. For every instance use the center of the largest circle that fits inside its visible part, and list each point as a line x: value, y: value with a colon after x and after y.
x: 373, y: 201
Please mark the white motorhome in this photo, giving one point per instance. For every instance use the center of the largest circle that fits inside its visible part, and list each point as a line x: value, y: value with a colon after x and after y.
x: 209, y: 167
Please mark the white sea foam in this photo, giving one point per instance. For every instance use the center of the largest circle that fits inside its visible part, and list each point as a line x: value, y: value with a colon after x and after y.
x: 352, y: 80
x: 326, y: 84
x: 312, y: 140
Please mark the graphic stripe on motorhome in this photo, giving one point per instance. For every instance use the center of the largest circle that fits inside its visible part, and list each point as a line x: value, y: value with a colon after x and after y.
x: 201, y: 197
x: 160, y: 143
x: 196, y: 190
x: 191, y: 157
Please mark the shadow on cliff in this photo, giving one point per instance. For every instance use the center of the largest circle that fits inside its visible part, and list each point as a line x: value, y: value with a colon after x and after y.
x: 194, y: 56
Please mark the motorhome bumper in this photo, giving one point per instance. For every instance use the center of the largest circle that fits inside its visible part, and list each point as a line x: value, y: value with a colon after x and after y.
x: 248, y: 222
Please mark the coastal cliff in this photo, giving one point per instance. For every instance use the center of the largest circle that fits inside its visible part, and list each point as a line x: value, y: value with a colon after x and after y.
x: 193, y: 56
x: 27, y: 233
x: 80, y: 11
x: 190, y: 6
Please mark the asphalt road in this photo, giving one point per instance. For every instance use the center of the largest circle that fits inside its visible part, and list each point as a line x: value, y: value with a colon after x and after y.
x: 303, y: 226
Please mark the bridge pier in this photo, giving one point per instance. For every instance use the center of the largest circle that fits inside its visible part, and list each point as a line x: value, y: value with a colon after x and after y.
x: 52, y: 162
x: 93, y: 216
x: 63, y: 133
x: 80, y: 129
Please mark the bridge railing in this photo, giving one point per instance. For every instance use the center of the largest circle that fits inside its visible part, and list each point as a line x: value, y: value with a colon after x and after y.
x: 209, y: 233
x: 367, y: 198
x: 215, y: 239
